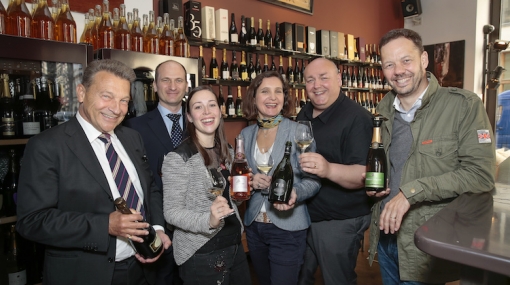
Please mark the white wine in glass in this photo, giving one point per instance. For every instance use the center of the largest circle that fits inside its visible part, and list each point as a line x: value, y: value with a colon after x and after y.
x: 304, y: 135
x: 264, y: 162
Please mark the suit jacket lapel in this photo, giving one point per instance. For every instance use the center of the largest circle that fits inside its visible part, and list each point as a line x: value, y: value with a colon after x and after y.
x: 158, y: 127
x: 81, y: 148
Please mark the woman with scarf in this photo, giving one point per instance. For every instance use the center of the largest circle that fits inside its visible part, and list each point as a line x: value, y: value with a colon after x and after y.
x: 276, y: 233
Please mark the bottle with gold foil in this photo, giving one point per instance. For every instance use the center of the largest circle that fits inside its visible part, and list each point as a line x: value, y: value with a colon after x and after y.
x: 181, y: 42
x: 122, y: 34
x: 65, y: 28
x: 151, y: 39
x: 136, y: 33
x: 105, y: 29
x: 43, y: 26
x: 3, y: 19
x: 166, y: 42
x: 19, y: 20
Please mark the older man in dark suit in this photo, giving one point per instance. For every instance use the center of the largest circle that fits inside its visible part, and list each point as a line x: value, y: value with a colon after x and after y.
x: 162, y: 130
x: 67, y: 188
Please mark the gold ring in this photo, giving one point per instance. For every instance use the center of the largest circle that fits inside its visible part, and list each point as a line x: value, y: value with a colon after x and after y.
x: 314, y: 165
x: 129, y: 236
x: 393, y: 217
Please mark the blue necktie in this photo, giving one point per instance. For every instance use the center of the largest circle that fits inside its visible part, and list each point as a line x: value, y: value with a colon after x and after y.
x: 176, y: 133
x: 121, y: 177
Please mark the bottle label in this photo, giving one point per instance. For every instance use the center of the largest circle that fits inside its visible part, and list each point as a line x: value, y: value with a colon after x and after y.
x: 215, y: 73
x: 18, y: 278
x: 235, y: 75
x: 8, y: 127
x: 374, y: 180
x: 253, y: 42
x: 31, y: 128
x: 280, y: 186
x: 240, y: 183
x: 234, y: 38
x: 225, y: 75
x: 231, y: 111
x: 156, y: 243
x: 244, y: 75
x: 253, y: 75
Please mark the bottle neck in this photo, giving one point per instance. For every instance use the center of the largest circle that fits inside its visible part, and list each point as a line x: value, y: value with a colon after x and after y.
x: 376, y: 136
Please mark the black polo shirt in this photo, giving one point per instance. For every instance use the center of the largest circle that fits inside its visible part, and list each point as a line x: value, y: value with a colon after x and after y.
x: 343, y: 133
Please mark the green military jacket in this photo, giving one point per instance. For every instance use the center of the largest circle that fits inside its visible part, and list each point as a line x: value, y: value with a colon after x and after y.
x: 452, y: 153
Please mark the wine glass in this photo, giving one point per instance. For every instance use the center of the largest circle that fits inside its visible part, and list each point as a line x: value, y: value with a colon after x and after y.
x: 218, y: 185
x: 304, y: 135
x: 264, y: 162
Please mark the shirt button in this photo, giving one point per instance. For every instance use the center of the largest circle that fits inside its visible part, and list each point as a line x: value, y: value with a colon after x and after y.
x: 110, y: 260
x: 413, y: 190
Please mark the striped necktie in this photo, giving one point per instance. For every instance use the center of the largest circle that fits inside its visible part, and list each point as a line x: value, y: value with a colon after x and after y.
x: 121, y: 176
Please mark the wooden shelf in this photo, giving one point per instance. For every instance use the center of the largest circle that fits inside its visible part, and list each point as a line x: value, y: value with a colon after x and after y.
x: 8, y: 220
x: 13, y: 142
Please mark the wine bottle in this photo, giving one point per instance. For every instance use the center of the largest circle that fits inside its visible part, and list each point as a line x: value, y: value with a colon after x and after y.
x: 136, y: 33
x: 354, y: 78
x: 302, y: 71
x: 234, y: 67
x: 282, y: 179
x: 297, y: 75
x: 10, y: 185
x: 43, y: 26
x: 260, y: 35
x: 202, y: 61
x: 297, y: 106
x: 15, y: 266
x: 278, y: 42
x: 349, y: 78
x: 9, y: 127
x: 123, y: 34
x: 266, y: 67
x: 105, y: 29
x: 280, y: 69
x: 253, y: 34
x: 151, y: 39
x: 268, y: 39
x: 233, y: 37
x: 376, y: 169
x: 30, y: 125
x: 302, y: 103
x: 252, y: 73
x: 344, y: 77
x: 213, y: 67
x: 243, y: 69
x: 167, y: 40
x: 65, y: 27
x: 290, y: 71
x: 364, y: 79
x: 243, y: 35
x: 239, y: 103
x: 273, y: 66
x: 221, y: 102
x: 225, y: 73
x: 240, y: 172
x: 258, y: 67
x: 360, y: 81
x: 43, y: 113
x: 181, y: 42
x: 231, y: 108
x: 151, y: 245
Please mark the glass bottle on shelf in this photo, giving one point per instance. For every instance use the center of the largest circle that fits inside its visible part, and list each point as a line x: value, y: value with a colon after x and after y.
x: 202, y: 62
x: 159, y: 26
x: 136, y: 33
x: 266, y: 66
x: 234, y: 67
x: 19, y: 19
x: 129, y: 20
x: 65, y: 27
x: 260, y: 35
x: 231, y: 109
x: 15, y: 265
x: 43, y: 26
x: 122, y: 34
x: 290, y: 72
x: 252, y: 34
x: 243, y: 35
x: 280, y: 69
x: 239, y: 103
x: 83, y: 37
x: 258, y: 67
x: 181, y: 42
x: 145, y: 26
x: 243, y: 69
x: 9, y: 127
x: 221, y: 102
x: 116, y: 18
x: 233, y: 37
x: 10, y: 185
x: 213, y: 67
x: 278, y: 43
x: 55, y: 9
x: 225, y: 73
x: 297, y: 75
x: 105, y: 29
x: 150, y: 39
x: 268, y: 39
x: 98, y: 16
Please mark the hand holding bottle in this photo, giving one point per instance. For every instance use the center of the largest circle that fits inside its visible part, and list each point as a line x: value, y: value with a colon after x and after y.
x: 376, y: 194
x: 289, y: 205
x: 166, y: 243
x: 127, y: 226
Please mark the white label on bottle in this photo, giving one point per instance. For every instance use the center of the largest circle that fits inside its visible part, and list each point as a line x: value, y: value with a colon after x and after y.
x: 253, y: 42
x: 231, y: 111
x: 225, y: 75
x: 240, y: 183
x: 18, y: 278
x: 234, y: 38
x: 31, y: 128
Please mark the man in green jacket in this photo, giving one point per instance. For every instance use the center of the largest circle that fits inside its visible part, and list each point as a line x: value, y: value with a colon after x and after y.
x: 439, y: 145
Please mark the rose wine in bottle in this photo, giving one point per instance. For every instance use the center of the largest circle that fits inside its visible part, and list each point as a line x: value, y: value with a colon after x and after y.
x: 65, y: 27
x: 105, y: 29
x: 19, y: 20
x: 376, y: 169
x: 43, y: 26
x: 151, y: 39
x: 122, y: 34
x: 152, y: 244
x: 167, y: 41
x: 136, y: 33
x: 240, y: 172
x: 283, y: 179
x: 181, y: 42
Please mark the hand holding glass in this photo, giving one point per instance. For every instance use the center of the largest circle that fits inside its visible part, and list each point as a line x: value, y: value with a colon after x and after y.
x: 218, y: 185
x: 264, y: 165
x: 304, y: 135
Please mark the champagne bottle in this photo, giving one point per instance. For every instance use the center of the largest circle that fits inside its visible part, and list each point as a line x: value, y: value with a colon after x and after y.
x: 221, y: 102
x: 239, y: 103
x: 253, y: 34
x: 258, y: 68
x: 16, y: 269
x: 231, y: 108
x: 9, y: 127
x: 297, y: 75
x: 354, y: 79
x: 213, y: 67
x: 225, y: 73
x: 152, y: 244
x: 283, y: 179
x: 268, y: 39
x: 123, y: 34
x: 376, y: 169
x: 278, y: 42
x: 233, y: 37
x: 243, y: 69
x: 273, y: 66
x: 290, y: 71
x: 105, y: 29
x: 266, y: 67
x: 302, y: 103
x: 202, y: 61
x: 30, y: 125
x: 260, y: 35
x: 252, y: 71
x: 240, y: 172
x: 234, y: 67
x: 344, y: 77
x: 243, y: 35
x: 10, y: 185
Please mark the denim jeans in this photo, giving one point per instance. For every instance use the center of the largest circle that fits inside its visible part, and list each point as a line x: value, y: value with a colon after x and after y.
x: 387, y: 255
x: 277, y: 254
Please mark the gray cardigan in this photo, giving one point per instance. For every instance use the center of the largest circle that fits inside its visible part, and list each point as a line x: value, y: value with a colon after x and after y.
x: 187, y: 201
x: 306, y: 185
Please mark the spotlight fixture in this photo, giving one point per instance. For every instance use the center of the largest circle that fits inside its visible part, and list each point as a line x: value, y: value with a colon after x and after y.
x: 493, y: 83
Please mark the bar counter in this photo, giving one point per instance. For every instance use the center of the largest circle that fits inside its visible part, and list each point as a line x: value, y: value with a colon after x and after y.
x: 474, y: 232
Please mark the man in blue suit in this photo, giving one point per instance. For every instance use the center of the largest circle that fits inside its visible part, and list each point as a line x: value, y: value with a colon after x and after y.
x: 162, y: 130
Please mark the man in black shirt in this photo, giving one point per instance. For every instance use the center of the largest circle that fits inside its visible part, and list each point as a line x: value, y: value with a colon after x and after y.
x: 340, y: 212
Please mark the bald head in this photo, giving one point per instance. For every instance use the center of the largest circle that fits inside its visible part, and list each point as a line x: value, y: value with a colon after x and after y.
x: 323, y: 83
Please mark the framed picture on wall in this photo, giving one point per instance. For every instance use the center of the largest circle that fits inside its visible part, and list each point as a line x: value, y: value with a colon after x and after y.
x: 305, y: 6
x: 446, y: 62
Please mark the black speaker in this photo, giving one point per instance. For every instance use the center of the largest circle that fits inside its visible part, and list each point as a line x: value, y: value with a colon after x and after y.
x: 411, y: 8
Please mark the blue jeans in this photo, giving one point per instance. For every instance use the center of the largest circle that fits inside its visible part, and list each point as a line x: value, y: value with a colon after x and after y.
x: 277, y: 254
x: 387, y: 255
